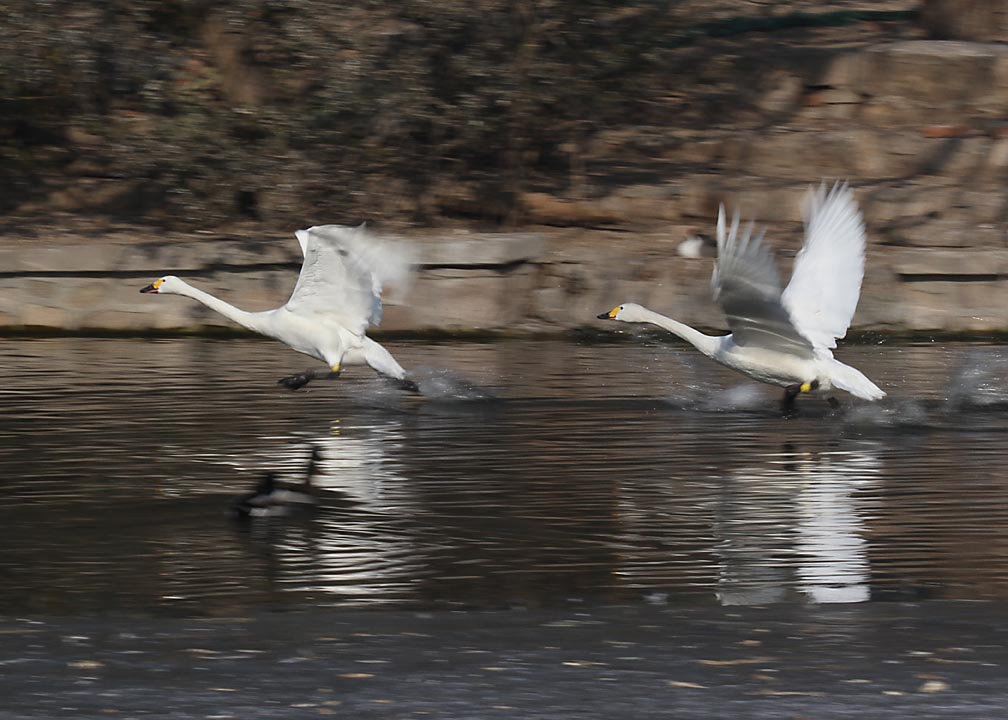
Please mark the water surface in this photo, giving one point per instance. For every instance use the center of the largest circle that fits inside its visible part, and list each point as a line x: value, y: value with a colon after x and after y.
x: 530, y: 474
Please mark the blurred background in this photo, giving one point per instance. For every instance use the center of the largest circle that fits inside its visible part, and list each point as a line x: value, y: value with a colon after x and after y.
x: 194, y: 114
x: 138, y: 138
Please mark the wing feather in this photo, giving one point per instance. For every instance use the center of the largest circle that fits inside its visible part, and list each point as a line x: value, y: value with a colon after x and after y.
x: 747, y: 286
x: 826, y: 281
x: 344, y: 272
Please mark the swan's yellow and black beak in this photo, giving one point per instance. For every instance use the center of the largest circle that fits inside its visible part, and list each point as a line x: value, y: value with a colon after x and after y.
x: 611, y: 315
x: 153, y: 287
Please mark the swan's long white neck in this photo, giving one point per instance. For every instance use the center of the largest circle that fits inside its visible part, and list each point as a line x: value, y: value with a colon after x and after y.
x: 707, y: 344
x: 250, y: 320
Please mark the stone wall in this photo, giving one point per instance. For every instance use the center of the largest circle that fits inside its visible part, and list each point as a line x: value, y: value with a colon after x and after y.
x: 495, y: 283
x: 919, y: 127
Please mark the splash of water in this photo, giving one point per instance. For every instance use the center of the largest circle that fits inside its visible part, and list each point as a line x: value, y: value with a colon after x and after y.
x: 978, y: 382
x: 442, y: 384
x: 887, y: 414
x: 747, y: 397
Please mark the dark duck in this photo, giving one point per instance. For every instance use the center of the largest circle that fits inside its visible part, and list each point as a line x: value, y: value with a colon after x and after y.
x: 272, y: 498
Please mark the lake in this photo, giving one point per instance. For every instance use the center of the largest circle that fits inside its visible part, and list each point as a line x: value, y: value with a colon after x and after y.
x: 529, y: 474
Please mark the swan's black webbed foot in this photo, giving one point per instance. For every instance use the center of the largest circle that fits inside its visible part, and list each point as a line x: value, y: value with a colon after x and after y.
x: 295, y: 382
x: 788, y: 403
x: 402, y: 383
x: 833, y: 403
x: 408, y: 385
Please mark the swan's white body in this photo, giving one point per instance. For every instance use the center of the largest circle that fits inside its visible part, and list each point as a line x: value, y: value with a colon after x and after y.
x: 337, y: 296
x: 785, y: 337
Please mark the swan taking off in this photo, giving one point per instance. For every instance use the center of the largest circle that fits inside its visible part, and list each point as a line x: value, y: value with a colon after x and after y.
x: 785, y: 338
x: 338, y: 294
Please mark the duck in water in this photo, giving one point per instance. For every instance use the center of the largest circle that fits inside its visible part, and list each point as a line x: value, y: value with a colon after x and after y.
x: 272, y: 499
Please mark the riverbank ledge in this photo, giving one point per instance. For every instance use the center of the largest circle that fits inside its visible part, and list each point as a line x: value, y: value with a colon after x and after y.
x: 548, y: 281
x: 916, y: 126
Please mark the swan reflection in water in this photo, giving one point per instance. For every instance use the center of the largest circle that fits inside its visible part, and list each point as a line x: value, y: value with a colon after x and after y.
x: 793, y: 524
x: 393, y: 527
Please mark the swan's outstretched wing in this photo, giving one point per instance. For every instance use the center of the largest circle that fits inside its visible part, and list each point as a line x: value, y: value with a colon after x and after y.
x: 747, y: 286
x: 343, y: 274
x: 826, y: 281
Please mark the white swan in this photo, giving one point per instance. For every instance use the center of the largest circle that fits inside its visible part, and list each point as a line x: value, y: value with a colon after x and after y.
x: 338, y: 294
x: 785, y: 338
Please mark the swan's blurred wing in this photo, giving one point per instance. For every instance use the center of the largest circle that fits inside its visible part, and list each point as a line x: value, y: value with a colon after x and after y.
x: 747, y: 286
x: 343, y: 274
x: 826, y: 281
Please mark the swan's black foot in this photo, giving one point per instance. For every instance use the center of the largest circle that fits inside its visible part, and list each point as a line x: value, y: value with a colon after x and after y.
x: 788, y: 403
x: 833, y: 403
x: 409, y: 385
x: 404, y: 384
x: 295, y: 382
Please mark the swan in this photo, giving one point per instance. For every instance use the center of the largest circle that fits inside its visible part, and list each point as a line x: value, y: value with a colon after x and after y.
x: 271, y: 499
x: 785, y: 337
x: 338, y: 294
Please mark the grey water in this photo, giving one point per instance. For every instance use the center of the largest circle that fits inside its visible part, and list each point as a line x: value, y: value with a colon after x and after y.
x: 527, y: 474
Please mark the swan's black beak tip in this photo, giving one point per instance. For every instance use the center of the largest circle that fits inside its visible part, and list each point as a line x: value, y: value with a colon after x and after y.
x: 601, y: 316
x: 149, y: 289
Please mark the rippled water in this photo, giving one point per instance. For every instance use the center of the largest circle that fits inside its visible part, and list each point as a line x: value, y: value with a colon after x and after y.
x: 530, y: 473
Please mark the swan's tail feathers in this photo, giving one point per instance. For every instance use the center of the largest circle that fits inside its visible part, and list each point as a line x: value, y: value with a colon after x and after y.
x: 381, y: 361
x: 853, y: 381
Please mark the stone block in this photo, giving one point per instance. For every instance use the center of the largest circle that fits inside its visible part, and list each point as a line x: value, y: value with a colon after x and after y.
x: 476, y: 249
x: 949, y: 232
x: 954, y: 306
x: 942, y: 72
x: 924, y: 82
x: 42, y: 316
x: 636, y: 203
x: 781, y: 92
x: 979, y: 262
x: 850, y: 152
x: 914, y: 199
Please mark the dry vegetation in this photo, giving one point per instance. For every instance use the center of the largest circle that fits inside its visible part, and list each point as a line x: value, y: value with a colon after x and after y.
x: 193, y: 113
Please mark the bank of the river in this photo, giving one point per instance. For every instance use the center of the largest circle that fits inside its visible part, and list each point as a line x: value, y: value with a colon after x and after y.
x: 545, y: 280
x: 917, y: 126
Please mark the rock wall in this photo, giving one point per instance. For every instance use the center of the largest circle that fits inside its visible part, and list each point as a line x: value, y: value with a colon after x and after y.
x: 489, y: 283
x: 919, y: 127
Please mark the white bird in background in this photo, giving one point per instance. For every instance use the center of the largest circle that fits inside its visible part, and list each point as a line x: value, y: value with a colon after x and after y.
x: 338, y: 294
x: 785, y: 338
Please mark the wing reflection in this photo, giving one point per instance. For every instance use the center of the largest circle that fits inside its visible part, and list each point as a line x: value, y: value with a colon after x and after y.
x: 791, y: 525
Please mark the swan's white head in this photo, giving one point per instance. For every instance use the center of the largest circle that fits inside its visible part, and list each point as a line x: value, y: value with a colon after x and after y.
x: 627, y: 312
x: 167, y: 285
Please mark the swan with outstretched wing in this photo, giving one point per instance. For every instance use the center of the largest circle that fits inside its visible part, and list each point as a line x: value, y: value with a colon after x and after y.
x: 337, y: 297
x: 785, y: 337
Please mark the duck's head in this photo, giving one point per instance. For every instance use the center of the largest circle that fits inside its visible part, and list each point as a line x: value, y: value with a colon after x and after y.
x: 267, y: 485
x: 627, y: 312
x: 166, y: 285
